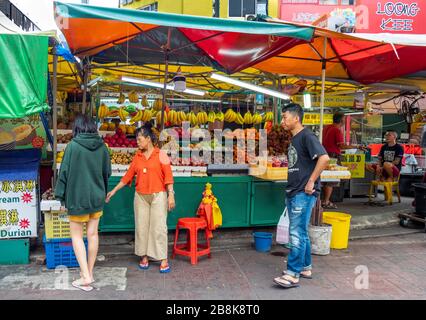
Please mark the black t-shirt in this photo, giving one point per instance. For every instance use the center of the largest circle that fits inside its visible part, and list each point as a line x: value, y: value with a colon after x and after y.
x: 303, y: 154
x: 388, y: 154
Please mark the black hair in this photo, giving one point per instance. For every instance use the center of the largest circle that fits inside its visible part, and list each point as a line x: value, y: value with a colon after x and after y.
x: 147, y: 131
x: 295, y: 109
x: 337, y: 117
x: 83, y: 124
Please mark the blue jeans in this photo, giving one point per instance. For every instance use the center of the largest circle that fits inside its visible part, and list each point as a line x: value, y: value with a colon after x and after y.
x: 299, y: 212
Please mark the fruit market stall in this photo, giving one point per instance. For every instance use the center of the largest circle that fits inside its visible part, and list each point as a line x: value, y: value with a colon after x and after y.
x: 245, y: 199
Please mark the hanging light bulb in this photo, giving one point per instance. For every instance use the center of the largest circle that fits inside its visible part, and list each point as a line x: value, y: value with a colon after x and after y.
x: 180, y: 82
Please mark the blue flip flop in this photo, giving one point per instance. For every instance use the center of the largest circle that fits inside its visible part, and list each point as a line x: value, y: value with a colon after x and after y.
x: 144, y: 266
x: 166, y: 269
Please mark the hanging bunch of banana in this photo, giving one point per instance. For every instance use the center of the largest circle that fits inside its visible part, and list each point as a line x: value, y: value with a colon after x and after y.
x: 103, y: 111
x: 158, y: 118
x: 158, y: 104
x: 137, y: 117
x: 220, y: 116
x: 173, y: 117
x: 144, y: 102
x: 121, y: 98
x: 181, y: 117
x: 239, y: 119
x: 230, y: 115
x: 147, y: 115
x: 257, y: 118
x: 211, y: 117
x: 269, y: 116
x: 133, y: 97
x: 192, y: 118
x: 248, y: 118
x: 123, y: 114
x: 202, y: 117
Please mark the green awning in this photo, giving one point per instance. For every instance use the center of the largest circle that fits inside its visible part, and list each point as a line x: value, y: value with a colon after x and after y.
x: 23, y: 75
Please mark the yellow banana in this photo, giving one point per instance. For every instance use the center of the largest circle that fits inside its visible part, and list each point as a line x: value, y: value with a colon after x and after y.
x: 121, y: 98
x: 145, y: 102
x: 220, y: 116
x: 248, y: 118
x: 158, y: 104
x: 211, y: 117
x: 239, y: 119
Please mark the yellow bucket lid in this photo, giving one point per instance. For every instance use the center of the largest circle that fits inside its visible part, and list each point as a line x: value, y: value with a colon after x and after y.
x: 337, y: 215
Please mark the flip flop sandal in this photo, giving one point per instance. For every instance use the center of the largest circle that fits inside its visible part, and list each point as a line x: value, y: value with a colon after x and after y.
x: 329, y: 206
x: 165, y: 269
x: 301, y: 275
x: 143, y: 266
x: 287, y: 284
x: 77, y: 284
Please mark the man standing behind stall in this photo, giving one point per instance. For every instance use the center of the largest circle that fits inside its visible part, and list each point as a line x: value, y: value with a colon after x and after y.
x: 306, y: 160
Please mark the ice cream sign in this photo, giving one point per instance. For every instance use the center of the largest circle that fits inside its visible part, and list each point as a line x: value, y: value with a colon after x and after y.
x: 18, y: 209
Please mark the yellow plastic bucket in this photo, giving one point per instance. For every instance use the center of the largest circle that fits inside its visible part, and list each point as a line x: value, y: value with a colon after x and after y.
x: 340, y: 223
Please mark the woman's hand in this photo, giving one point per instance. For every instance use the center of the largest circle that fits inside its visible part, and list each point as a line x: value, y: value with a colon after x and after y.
x: 171, y: 202
x: 109, y: 196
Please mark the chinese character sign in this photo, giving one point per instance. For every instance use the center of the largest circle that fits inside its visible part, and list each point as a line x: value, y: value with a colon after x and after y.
x: 314, y: 119
x: 355, y: 164
x: 18, y: 209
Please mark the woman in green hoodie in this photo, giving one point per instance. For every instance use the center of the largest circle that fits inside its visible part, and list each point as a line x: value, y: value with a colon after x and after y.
x: 82, y: 187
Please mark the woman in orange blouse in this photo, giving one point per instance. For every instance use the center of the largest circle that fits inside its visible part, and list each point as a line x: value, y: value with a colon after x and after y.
x: 153, y: 178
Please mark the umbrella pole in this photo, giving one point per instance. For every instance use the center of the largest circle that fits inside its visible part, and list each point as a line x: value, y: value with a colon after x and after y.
x: 86, y: 76
x: 166, y: 75
x: 324, y: 65
x: 55, y: 114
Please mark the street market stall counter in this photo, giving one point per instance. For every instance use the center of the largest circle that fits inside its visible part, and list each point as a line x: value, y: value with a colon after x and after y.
x: 244, y: 200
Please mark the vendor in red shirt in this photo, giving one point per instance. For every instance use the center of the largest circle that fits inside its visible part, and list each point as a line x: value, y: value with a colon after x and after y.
x: 333, y: 142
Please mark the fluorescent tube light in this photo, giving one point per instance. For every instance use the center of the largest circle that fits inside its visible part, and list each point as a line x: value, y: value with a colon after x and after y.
x: 250, y: 86
x: 195, y: 100
x: 307, y: 102
x: 160, y: 85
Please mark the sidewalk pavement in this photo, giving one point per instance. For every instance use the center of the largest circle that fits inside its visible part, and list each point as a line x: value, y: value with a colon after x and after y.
x: 386, y: 268
x: 366, y: 222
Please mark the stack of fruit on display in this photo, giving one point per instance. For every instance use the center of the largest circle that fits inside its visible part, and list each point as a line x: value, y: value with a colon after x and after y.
x: 142, y: 115
x: 278, y: 140
x: 188, y: 162
x: 121, y: 158
x: 64, y: 138
x: 103, y: 111
x: 119, y: 140
x: 107, y: 126
x: 59, y: 157
x: 278, y: 162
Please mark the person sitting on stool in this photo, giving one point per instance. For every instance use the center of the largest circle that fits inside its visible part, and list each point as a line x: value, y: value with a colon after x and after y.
x: 390, y: 159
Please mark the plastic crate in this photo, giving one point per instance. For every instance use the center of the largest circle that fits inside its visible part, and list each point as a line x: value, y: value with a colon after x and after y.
x: 57, y: 225
x: 59, y: 252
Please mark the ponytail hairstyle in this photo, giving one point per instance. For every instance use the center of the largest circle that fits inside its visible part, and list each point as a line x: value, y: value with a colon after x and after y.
x: 146, y: 131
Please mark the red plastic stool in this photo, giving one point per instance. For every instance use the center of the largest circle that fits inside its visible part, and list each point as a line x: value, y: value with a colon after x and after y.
x: 190, y: 248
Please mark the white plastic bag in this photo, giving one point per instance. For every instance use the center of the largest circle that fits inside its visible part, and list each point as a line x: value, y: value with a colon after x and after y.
x: 283, y: 229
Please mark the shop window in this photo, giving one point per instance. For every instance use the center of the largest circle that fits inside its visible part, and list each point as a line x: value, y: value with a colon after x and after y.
x: 151, y: 7
x: 242, y: 8
x: 216, y: 8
